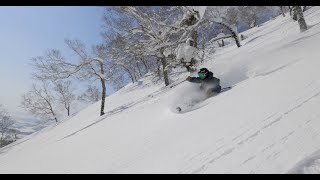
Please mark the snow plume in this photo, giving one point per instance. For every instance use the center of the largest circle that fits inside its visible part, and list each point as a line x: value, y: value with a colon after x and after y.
x: 309, y: 165
x: 187, y: 95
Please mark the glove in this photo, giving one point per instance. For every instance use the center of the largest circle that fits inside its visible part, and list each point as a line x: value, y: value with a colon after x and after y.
x: 189, y: 78
x: 209, y: 92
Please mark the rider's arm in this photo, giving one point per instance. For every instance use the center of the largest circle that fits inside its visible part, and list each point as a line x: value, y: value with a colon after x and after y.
x: 195, y: 80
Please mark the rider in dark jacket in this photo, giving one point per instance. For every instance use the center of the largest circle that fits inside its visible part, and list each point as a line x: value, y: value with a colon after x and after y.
x: 209, y: 83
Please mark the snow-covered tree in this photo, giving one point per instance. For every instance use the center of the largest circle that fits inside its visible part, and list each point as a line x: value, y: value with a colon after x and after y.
x: 304, y: 8
x: 152, y: 32
x: 40, y: 101
x: 251, y: 15
x: 232, y: 16
x: 187, y: 50
x: 298, y: 13
x: 65, y: 94
x: 283, y: 10
x: 291, y: 11
x: 5, y: 126
x: 218, y: 15
x: 158, y: 30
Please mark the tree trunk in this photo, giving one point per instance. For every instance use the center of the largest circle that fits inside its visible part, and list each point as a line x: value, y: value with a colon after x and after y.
x: 54, y: 115
x: 165, y: 71
x: 137, y: 64
x: 282, y: 11
x: 290, y: 9
x: 52, y: 112
x: 294, y: 17
x: 68, y: 109
x: 104, y: 89
x: 233, y: 33
x: 299, y: 14
x: 103, y: 84
x: 242, y: 37
x: 146, y: 65
x: 164, y: 68
x: 132, y: 75
x: 304, y: 8
x: 159, y: 67
x: 1, y: 140
x: 292, y: 12
x: 255, y: 22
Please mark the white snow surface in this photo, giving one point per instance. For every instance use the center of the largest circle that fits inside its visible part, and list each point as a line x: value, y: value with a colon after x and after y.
x: 269, y: 122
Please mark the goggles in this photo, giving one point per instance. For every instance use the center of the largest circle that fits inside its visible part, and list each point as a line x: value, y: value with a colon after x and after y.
x: 201, y: 75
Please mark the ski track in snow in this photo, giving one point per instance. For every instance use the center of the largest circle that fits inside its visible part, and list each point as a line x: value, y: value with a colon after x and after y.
x: 274, y: 119
x: 120, y: 109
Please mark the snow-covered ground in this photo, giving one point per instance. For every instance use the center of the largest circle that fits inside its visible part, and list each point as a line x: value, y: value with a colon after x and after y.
x: 267, y: 123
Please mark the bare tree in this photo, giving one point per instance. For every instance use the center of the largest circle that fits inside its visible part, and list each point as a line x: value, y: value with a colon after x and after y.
x: 39, y: 101
x: 119, y: 36
x: 65, y: 92
x: 297, y: 11
x: 54, y: 66
x: 141, y: 57
x: 91, y: 95
x: 5, y: 125
x: 118, y: 52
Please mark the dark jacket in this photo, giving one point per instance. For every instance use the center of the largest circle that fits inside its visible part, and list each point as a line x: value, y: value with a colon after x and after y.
x: 208, y: 82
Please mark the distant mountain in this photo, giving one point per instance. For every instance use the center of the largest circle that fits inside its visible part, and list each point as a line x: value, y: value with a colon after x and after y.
x: 26, y: 124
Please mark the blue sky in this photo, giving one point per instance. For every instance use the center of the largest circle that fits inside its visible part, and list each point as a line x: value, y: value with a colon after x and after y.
x: 27, y: 31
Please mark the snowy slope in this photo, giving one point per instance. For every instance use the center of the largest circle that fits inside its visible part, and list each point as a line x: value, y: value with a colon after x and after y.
x: 268, y: 123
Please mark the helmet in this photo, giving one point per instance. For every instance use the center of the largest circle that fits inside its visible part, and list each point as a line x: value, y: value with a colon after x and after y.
x: 203, y: 70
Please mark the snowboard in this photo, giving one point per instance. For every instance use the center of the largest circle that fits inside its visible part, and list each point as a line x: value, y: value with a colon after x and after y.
x: 197, y: 104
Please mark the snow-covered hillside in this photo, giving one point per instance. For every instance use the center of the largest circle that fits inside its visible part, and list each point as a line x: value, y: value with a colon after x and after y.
x: 267, y: 123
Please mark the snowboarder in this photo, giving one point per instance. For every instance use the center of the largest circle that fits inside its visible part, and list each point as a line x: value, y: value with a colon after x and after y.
x: 209, y: 83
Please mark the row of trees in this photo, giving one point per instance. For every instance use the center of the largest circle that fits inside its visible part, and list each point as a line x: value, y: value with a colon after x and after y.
x: 296, y: 12
x: 139, y: 41
x: 45, y: 98
x: 41, y: 99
